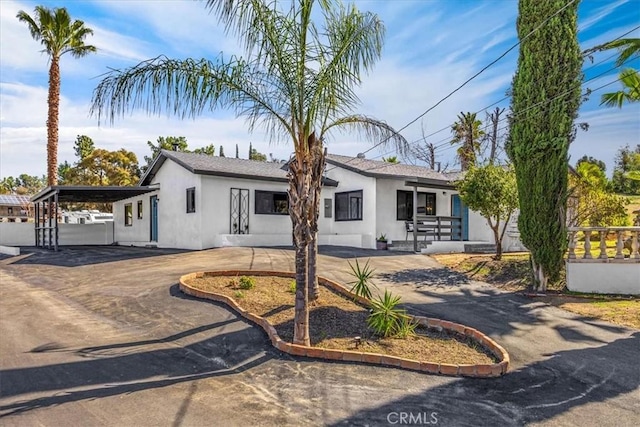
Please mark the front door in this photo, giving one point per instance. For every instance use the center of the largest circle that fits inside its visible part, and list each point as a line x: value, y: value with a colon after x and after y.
x: 154, y: 219
x: 460, y: 210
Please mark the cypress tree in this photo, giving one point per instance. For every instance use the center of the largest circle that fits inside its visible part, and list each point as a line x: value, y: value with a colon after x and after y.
x: 250, y: 151
x: 222, y: 151
x: 546, y: 94
x: 237, y: 152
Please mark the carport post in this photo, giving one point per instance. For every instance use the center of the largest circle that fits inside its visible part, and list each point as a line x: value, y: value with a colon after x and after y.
x: 56, y: 221
x: 49, y: 227
x: 415, y: 218
x: 36, y: 216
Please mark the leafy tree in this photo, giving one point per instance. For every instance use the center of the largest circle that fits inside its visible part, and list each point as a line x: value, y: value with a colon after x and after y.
x: 256, y: 155
x: 492, y: 191
x: 297, y: 79
x: 627, y: 165
x: 591, y: 203
x: 83, y: 146
x: 588, y: 159
x: 103, y: 167
x: 63, y: 171
x: 467, y: 132
x: 222, y: 151
x: 209, y: 150
x: 59, y: 35
x: 8, y: 185
x: 539, y: 137
x: 170, y: 143
x: 391, y: 159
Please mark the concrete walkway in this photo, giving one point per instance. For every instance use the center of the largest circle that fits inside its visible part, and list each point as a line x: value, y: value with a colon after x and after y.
x: 101, y: 336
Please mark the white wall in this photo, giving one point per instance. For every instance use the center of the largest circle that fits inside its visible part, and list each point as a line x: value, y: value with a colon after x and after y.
x: 139, y: 233
x: 86, y: 234
x: 351, y: 181
x: 608, y: 278
x: 216, y: 208
x: 23, y: 234
x: 479, y: 230
x: 17, y: 234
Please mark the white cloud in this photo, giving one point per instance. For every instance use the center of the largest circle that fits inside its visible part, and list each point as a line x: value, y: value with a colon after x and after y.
x: 600, y: 14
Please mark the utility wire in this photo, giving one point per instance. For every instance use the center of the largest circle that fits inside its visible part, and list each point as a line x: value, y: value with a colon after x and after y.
x: 544, y: 102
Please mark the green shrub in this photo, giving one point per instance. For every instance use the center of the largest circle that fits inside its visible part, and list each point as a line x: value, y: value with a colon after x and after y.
x: 247, y: 283
x: 385, y: 318
x: 406, y: 327
x: 361, y: 286
x: 292, y: 287
x: 239, y: 294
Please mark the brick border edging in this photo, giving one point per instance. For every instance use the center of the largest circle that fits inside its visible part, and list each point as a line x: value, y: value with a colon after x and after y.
x: 476, y: 371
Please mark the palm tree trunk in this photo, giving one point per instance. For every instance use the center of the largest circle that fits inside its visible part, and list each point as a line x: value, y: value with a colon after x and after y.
x: 318, y: 156
x: 299, y: 186
x: 52, y: 121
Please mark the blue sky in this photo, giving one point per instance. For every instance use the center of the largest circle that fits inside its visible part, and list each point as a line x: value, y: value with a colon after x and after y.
x: 431, y: 47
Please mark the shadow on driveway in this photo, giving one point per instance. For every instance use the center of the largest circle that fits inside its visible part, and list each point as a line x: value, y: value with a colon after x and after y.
x: 76, y: 256
x: 538, y: 392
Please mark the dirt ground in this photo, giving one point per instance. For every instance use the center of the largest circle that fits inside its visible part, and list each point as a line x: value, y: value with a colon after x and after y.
x: 335, y: 321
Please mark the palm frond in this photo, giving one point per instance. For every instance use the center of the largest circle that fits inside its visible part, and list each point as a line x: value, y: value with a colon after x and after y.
x: 372, y: 129
x: 189, y: 87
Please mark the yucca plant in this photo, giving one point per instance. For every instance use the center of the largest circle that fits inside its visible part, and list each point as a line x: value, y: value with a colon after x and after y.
x: 406, y: 327
x: 363, y: 275
x: 385, y: 315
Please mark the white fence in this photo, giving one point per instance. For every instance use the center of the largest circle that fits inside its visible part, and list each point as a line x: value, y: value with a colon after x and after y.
x: 592, y: 267
x: 23, y: 234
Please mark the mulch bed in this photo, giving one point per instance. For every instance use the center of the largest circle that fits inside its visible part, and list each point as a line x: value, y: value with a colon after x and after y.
x: 336, y: 320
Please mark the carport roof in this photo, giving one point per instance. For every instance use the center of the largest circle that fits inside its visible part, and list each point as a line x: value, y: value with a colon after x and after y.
x: 86, y: 193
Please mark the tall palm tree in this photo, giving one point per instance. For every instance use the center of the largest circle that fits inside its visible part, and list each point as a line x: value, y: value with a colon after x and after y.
x: 297, y: 80
x: 468, y: 132
x: 59, y: 35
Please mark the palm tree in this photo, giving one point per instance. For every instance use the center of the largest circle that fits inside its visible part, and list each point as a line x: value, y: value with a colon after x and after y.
x: 629, y: 77
x: 297, y: 80
x: 630, y: 93
x: 467, y: 131
x: 54, y: 29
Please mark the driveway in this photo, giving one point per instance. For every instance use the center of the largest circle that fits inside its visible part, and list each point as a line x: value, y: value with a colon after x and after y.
x: 102, y: 336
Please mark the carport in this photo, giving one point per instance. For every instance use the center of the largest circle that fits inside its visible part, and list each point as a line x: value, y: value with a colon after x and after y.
x: 46, y: 204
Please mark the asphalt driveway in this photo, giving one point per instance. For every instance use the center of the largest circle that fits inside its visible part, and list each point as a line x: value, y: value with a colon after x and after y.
x: 102, y: 336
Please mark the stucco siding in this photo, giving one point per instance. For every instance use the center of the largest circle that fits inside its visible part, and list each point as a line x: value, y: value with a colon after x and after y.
x: 138, y: 233
x: 350, y: 181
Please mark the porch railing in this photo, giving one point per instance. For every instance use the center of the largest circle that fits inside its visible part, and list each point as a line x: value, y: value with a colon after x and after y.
x: 624, y: 244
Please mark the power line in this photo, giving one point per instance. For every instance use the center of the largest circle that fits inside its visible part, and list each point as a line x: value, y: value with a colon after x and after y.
x: 585, y: 53
x: 446, y: 141
x: 544, y: 102
x: 479, y: 72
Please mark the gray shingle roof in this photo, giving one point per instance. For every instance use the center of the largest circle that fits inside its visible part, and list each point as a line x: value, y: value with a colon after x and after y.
x: 222, y: 166
x: 379, y: 169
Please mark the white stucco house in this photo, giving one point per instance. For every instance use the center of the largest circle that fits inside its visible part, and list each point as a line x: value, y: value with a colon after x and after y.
x: 199, y: 202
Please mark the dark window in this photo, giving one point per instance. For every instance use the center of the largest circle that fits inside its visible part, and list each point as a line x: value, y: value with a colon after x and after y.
x: 191, y: 200
x: 272, y: 202
x: 349, y: 206
x: 139, y: 209
x: 10, y: 210
x: 128, y: 215
x: 404, y: 204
